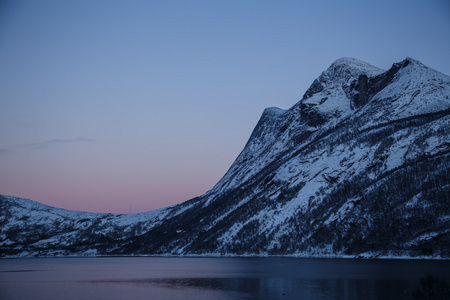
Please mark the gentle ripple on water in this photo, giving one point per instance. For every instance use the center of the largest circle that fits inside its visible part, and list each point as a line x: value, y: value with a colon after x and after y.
x: 214, y: 278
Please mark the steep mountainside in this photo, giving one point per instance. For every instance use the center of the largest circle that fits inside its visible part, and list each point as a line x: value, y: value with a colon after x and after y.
x: 359, y: 166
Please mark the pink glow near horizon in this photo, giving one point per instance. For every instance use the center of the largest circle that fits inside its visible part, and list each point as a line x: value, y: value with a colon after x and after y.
x: 114, y: 191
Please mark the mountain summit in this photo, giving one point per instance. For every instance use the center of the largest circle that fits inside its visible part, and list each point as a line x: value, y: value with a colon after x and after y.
x: 358, y: 167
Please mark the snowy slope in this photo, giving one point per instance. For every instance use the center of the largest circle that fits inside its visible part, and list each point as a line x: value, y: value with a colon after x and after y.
x: 359, y: 166
x: 29, y: 227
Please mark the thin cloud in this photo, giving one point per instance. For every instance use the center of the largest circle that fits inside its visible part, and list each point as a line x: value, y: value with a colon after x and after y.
x: 44, y: 144
x: 55, y: 142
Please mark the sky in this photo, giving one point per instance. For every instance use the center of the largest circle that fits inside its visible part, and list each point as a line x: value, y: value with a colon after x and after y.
x: 119, y: 106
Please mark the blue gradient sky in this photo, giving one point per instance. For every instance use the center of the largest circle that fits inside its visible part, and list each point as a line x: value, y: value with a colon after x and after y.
x: 107, y: 104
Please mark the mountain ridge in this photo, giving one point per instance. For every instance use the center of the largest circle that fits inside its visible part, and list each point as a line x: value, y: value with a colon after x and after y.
x: 358, y: 167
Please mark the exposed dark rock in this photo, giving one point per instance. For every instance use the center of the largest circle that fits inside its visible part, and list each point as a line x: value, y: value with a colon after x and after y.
x: 365, y: 88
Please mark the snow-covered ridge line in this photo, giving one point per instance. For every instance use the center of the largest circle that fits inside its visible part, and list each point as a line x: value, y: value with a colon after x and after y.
x: 358, y: 168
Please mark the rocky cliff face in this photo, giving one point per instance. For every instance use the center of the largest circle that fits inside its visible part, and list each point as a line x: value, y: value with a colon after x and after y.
x: 359, y: 166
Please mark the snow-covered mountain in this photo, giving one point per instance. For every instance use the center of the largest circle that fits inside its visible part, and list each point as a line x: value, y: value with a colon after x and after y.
x: 359, y: 167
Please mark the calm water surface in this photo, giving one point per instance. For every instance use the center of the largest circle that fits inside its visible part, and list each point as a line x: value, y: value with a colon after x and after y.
x: 214, y: 278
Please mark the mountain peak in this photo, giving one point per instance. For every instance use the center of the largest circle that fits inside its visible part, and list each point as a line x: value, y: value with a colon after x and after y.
x: 341, y: 73
x: 353, y: 66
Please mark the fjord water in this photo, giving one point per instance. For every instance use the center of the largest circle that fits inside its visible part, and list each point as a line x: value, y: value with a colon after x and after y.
x: 214, y: 278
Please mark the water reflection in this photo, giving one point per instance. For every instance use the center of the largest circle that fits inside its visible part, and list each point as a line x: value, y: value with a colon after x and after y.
x: 281, y: 288
x: 216, y: 278
x: 432, y: 288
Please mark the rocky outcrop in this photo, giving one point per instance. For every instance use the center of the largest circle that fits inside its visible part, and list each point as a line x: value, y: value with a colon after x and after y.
x: 365, y: 88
